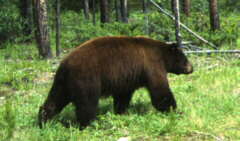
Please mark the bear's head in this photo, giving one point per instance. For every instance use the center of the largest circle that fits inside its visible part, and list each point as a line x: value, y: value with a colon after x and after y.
x: 176, y: 61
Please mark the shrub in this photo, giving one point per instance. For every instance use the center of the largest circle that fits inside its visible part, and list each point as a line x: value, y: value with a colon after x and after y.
x: 10, y: 21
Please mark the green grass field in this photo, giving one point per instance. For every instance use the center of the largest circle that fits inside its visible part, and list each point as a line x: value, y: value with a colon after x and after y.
x: 209, y: 99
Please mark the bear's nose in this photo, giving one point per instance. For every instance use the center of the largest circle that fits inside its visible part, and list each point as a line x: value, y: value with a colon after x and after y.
x: 189, y: 69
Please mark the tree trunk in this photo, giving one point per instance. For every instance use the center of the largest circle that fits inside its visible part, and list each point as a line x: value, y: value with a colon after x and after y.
x: 26, y: 13
x: 41, y: 31
x: 58, y: 27
x: 124, y: 11
x: 214, y: 17
x: 86, y: 9
x: 186, y: 7
x: 104, y: 11
x: 117, y: 9
x: 94, y: 11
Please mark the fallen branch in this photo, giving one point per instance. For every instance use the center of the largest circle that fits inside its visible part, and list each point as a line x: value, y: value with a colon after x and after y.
x: 184, y: 26
x: 208, y: 134
x: 211, y: 51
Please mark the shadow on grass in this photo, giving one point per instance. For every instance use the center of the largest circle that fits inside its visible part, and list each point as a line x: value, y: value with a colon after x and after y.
x: 139, y: 108
x: 68, y: 118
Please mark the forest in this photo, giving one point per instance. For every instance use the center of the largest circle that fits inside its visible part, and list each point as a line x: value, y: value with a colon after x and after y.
x: 35, y: 35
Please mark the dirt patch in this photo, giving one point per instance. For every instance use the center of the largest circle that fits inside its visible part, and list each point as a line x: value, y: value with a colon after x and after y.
x: 236, y: 92
x: 44, y: 78
x: 5, y: 92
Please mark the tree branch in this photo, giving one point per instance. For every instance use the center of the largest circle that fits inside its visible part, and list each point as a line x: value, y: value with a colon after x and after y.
x: 184, y: 26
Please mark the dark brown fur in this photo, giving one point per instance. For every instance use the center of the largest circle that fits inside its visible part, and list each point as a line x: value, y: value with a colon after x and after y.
x: 114, y: 66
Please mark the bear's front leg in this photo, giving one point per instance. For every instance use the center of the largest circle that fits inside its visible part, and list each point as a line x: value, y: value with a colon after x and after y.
x: 85, y: 111
x: 122, y: 100
x: 161, y: 96
x: 85, y: 97
x: 163, y: 99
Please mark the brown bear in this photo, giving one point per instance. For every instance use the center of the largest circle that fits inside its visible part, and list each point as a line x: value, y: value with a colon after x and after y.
x: 114, y: 66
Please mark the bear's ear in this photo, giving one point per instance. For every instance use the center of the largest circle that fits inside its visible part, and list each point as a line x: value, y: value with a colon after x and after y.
x: 172, y: 44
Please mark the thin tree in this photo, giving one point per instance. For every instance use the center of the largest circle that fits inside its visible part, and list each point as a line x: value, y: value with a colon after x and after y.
x: 94, y: 12
x: 124, y: 10
x: 104, y: 13
x: 117, y: 9
x: 144, y: 6
x: 41, y: 31
x: 177, y: 22
x: 86, y: 9
x: 214, y: 17
x: 172, y: 6
x: 26, y: 13
x: 186, y: 7
x: 145, y: 11
x: 58, y: 27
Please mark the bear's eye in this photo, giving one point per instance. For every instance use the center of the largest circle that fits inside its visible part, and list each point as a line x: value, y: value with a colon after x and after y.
x: 174, y: 49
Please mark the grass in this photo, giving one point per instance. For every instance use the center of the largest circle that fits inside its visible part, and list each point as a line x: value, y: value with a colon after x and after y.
x: 209, y: 99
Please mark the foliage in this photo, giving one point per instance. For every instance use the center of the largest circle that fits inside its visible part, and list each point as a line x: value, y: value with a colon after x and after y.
x: 16, y: 73
x: 76, y: 29
x: 75, y: 32
x: 10, y: 21
x: 228, y: 34
x: 8, y: 121
x: 159, y: 27
x: 229, y: 5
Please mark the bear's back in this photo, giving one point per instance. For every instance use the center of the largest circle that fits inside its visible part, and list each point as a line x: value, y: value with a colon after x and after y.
x: 113, y: 56
x: 106, y: 50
